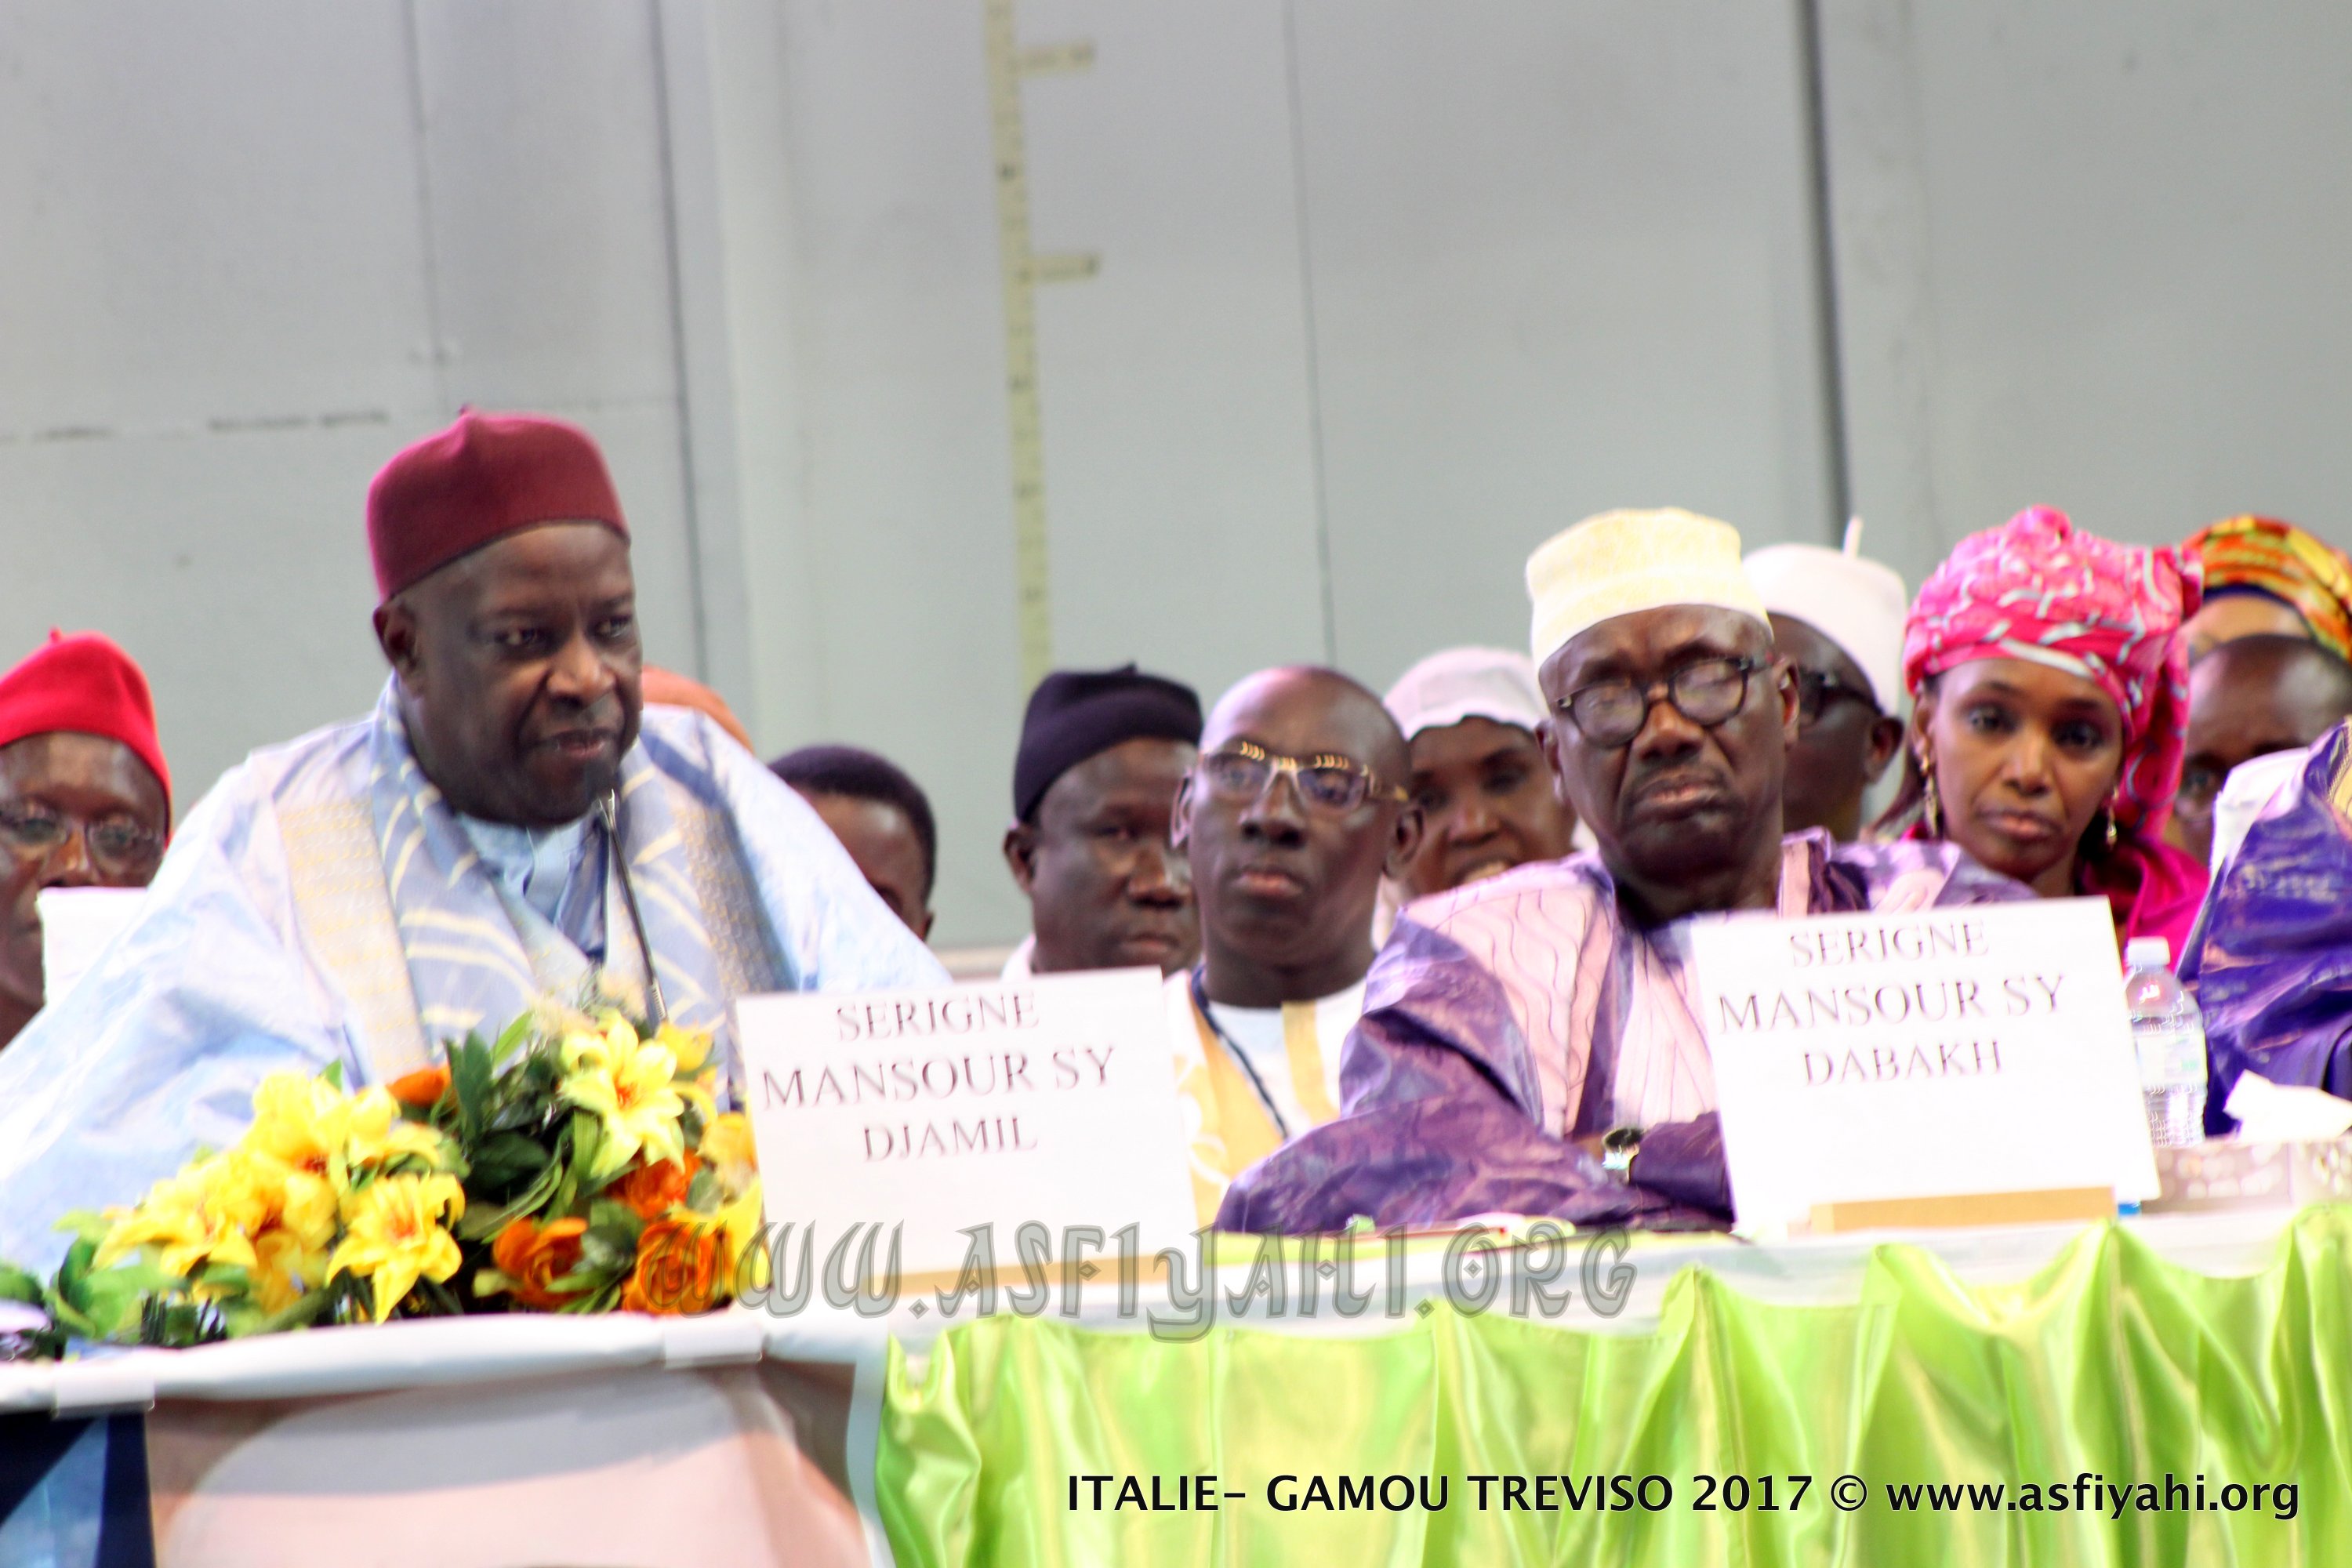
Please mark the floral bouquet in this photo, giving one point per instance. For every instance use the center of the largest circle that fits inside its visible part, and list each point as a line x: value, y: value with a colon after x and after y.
x: 578, y: 1163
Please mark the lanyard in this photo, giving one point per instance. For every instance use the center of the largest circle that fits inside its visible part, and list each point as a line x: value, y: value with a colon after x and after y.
x: 1232, y: 1049
x: 629, y: 898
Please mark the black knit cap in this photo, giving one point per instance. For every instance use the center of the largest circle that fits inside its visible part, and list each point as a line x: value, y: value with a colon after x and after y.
x: 1075, y: 714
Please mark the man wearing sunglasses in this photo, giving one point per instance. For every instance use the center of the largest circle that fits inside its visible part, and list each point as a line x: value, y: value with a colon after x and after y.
x: 1288, y: 820
x: 85, y: 799
x: 1837, y: 618
x: 1528, y: 1045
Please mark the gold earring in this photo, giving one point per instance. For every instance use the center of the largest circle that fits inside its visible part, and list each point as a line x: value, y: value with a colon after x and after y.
x: 1931, y: 809
x: 2110, y: 809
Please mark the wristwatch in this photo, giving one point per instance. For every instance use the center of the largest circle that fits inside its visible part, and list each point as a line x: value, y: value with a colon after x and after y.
x: 1618, y: 1147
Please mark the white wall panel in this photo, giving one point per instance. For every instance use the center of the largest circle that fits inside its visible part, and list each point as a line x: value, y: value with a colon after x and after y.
x: 233, y: 567
x: 211, y: 215
x: 543, y: 148
x: 549, y: 216
x: 1551, y: 264
x: 2091, y: 255
x: 1562, y: 261
x: 1179, y: 418
x: 906, y: 488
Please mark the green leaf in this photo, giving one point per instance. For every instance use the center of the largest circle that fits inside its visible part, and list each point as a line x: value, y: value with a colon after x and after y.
x: 298, y: 1313
x: 605, y: 1215
x: 512, y: 1038
x: 74, y: 1268
x: 115, y: 1298
x: 87, y: 1223
x: 471, y: 1079
x: 609, y: 1249
x: 586, y: 1138
x: 506, y: 1158
x: 74, y: 1321
x: 479, y: 1223
x: 17, y: 1285
x: 334, y: 1074
x: 432, y: 1299
x: 226, y: 1276
x: 599, y: 1300
x: 178, y: 1324
x: 702, y: 1192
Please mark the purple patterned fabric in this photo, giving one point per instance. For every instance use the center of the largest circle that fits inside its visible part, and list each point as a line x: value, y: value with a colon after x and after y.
x: 1506, y: 1017
x: 2271, y: 958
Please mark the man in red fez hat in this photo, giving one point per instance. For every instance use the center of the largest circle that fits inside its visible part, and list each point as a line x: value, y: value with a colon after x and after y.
x: 84, y: 799
x: 512, y: 823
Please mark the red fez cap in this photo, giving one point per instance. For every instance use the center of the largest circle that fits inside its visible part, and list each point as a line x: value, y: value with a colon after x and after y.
x: 485, y: 476
x: 84, y: 684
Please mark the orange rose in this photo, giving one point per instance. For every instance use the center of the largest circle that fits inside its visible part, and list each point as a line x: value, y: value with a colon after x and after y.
x: 422, y: 1089
x: 682, y: 1267
x: 654, y: 1190
x: 535, y: 1257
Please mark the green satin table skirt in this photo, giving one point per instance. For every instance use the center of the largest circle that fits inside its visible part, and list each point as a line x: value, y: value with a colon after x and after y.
x: 2127, y: 1408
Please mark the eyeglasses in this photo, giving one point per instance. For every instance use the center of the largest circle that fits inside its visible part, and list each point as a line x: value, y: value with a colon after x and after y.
x: 1332, y: 783
x: 2200, y: 782
x: 1817, y: 688
x: 1706, y: 692
x: 113, y: 845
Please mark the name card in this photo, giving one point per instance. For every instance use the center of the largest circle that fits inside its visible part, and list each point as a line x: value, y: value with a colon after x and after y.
x: 1931, y: 1054
x: 1050, y: 1099
x: 77, y: 925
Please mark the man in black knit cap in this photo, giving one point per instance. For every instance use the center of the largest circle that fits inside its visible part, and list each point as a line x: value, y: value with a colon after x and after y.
x: 1094, y: 787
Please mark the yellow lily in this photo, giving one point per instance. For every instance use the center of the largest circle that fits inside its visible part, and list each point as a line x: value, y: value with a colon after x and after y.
x: 318, y: 1131
x: 375, y: 1133
x: 190, y: 1219
x: 285, y: 1267
x: 395, y: 1231
x: 690, y: 1047
x: 728, y: 1151
x: 627, y: 1085
x: 740, y: 1219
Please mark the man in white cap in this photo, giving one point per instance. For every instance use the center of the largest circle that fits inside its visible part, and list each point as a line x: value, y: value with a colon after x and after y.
x: 1837, y: 618
x: 1473, y: 718
x: 1528, y: 1044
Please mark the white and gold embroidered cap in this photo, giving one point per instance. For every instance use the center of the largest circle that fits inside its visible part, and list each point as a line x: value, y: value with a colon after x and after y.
x: 1622, y: 562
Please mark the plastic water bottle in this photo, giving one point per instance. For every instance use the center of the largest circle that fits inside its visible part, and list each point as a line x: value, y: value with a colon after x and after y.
x: 2170, y: 1033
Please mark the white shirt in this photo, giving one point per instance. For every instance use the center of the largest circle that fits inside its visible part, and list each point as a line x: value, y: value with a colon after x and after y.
x: 1280, y: 1060
x: 1017, y: 966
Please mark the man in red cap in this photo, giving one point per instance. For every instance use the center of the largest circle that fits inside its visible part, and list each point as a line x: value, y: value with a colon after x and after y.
x: 84, y: 799
x: 511, y: 824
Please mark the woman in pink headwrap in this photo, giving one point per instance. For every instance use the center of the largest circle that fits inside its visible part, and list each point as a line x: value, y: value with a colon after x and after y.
x: 2049, y: 675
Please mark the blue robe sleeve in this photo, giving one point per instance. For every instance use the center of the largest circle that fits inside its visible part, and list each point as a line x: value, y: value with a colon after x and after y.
x: 155, y: 1052
x: 2271, y: 958
x: 832, y: 931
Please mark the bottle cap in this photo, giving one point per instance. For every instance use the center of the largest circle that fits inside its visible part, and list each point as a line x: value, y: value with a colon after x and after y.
x: 2147, y: 953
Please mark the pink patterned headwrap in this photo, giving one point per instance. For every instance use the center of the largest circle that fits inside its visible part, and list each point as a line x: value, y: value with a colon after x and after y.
x: 2038, y: 588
